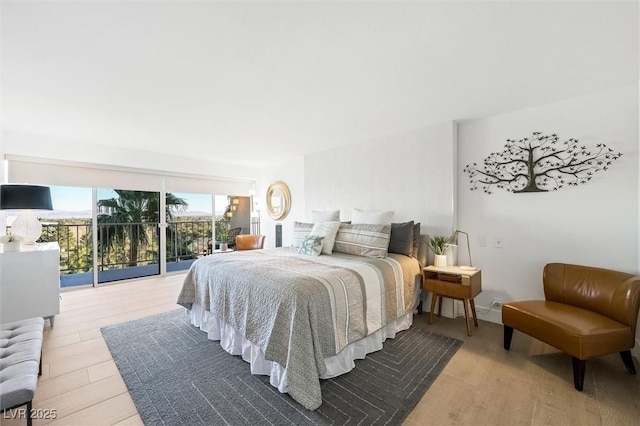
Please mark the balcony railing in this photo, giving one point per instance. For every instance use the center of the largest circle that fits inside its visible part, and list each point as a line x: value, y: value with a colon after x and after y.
x: 125, y: 246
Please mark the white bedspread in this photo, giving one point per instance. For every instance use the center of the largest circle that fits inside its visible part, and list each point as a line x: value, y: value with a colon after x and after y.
x: 297, y: 311
x: 236, y: 344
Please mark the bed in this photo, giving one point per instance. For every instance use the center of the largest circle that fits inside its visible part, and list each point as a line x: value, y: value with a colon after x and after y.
x: 300, y: 318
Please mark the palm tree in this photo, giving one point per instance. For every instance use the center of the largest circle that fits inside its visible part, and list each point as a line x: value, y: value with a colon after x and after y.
x: 125, y: 216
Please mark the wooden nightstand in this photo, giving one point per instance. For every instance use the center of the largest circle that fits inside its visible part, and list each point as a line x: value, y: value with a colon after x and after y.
x: 455, y: 283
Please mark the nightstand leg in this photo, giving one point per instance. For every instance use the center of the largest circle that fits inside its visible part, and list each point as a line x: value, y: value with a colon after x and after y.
x: 434, y: 296
x: 439, y: 306
x: 473, y: 311
x: 466, y: 316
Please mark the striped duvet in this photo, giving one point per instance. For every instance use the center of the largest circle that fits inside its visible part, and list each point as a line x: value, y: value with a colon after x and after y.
x: 301, y: 309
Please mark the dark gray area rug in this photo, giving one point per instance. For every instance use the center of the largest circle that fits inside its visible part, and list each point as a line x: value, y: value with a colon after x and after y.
x: 176, y: 376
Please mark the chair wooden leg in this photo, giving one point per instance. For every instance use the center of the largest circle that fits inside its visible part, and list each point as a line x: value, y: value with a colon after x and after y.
x: 508, y: 334
x: 578, y: 372
x: 628, y: 361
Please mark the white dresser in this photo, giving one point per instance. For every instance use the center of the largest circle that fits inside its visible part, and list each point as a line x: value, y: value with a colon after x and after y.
x: 30, y: 282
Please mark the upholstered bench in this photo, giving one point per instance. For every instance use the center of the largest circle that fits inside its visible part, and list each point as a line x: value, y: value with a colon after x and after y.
x: 20, y: 366
x: 587, y: 312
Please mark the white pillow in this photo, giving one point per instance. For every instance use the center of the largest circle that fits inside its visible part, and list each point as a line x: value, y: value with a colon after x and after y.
x: 325, y: 216
x: 328, y: 230
x: 375, y: 217
x: 300, y: 231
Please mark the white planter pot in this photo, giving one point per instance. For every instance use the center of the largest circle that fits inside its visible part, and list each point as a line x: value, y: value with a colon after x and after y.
x: 224, y: 246
x: 440, y: 260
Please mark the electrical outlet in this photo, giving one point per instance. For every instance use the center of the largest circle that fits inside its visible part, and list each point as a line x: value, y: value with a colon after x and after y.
x: 496, y: 303
x: 498, y: 242
x: 482, y: 240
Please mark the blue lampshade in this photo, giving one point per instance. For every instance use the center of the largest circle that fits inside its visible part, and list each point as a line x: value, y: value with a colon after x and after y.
x: 23, y: 197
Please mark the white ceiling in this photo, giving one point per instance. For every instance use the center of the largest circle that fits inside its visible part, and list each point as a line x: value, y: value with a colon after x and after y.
x: 255, y: 83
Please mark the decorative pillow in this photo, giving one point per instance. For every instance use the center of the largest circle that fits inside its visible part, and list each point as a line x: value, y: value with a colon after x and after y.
x: 416, y: 239
x: 368, y: 240
x: 325, y: 216
x: 401, y: 240
x: 371, y: 216
x: 311, y: 245
x: 300, y: 230
x: 328, y: 230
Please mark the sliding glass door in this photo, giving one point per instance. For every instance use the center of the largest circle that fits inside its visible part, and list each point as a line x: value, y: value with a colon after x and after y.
x: 189, y: 224
x: 107, y: 235
x: 128, y: 234
x: 70, y: 224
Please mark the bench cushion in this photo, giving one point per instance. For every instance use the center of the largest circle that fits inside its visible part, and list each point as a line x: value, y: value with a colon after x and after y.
x: 579, y: 332
x: 20, y: 349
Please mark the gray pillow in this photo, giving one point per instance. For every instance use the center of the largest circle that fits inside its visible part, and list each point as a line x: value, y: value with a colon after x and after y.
x: 416, y: 239
x: 401, y: 240
x: 363, y: 240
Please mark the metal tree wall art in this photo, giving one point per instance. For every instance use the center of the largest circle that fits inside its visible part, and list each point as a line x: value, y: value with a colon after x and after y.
x: 540, y: 163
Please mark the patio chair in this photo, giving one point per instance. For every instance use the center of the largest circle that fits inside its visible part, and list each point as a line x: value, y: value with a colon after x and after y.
x: 231, y: 237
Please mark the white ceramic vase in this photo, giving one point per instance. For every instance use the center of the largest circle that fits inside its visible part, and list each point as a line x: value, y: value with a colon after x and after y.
x: 224, y: 246
x: 12, y: 246
x: 440, y: 260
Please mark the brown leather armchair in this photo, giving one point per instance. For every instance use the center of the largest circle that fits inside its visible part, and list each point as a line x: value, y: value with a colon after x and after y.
x: 588, y: 312
x: 249, y: 242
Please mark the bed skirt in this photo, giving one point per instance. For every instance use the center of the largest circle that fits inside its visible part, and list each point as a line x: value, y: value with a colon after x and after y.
x: 236, y: 344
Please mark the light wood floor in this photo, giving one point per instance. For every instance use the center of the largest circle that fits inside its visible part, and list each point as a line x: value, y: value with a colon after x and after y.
x: 482, y: 385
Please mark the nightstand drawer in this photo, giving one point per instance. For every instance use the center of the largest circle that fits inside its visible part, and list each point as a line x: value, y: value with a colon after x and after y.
x: 455, y: 290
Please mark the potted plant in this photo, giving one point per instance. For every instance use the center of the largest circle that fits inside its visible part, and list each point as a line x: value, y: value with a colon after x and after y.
x: 440, y: 244
x: 223, y: 238
x: 10, y: 242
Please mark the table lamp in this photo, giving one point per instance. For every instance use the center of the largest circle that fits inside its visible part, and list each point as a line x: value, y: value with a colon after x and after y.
x: 26, y: 198
x: 453, y: 241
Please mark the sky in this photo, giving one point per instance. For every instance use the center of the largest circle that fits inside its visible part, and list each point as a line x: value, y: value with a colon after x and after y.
x: 79, y: 199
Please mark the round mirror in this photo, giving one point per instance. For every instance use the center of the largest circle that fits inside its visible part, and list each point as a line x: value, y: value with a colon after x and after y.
x: 278, y: 200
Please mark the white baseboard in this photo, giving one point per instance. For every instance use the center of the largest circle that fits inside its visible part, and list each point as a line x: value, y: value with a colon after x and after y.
x: 483, y: 313
x: 489, y: 314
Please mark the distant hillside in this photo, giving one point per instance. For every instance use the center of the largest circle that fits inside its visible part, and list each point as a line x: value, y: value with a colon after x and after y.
x: 65, y: 214
x: 86, y: 214
x: 193, y: 213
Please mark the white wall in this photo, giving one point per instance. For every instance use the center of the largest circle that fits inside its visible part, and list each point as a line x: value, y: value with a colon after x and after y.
x: 593, y: 224
x: 291, y: 173
x: 3, y: 179
x: 411, y: 173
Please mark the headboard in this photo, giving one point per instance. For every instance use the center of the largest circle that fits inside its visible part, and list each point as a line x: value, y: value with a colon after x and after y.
x: 423, y: 250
